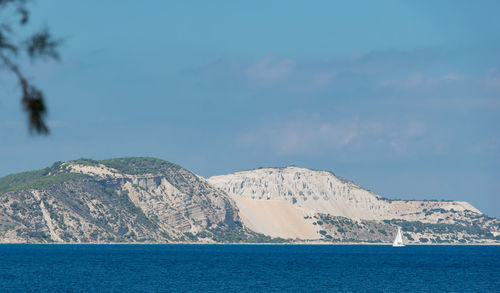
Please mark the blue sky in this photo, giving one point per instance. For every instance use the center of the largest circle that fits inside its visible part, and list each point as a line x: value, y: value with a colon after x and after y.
x: 401, y: 97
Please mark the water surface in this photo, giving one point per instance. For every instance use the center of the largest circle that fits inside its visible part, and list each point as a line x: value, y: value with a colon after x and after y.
x: 249, y: 268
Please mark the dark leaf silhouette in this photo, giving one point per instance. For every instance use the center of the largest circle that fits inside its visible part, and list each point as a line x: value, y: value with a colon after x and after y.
x: 40, y: 45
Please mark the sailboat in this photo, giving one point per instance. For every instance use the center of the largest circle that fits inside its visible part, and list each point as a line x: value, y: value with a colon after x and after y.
x: 398, y: 241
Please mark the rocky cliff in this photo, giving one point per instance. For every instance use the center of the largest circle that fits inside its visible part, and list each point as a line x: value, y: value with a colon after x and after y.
x: 118, y: 200
x: 147, y: 200
x: 327, y: 202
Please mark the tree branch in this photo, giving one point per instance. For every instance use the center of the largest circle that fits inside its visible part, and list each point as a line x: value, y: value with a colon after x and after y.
x: 32, y: 99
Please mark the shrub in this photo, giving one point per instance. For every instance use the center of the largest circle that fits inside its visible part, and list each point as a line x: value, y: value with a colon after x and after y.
x: 408, y: 236
x: 139, y: 165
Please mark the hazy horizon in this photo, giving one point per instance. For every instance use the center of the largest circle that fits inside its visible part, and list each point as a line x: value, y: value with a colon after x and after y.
x: 401, y: 98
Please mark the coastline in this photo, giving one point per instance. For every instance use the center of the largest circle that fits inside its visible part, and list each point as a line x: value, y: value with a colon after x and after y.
x: 284, y: 244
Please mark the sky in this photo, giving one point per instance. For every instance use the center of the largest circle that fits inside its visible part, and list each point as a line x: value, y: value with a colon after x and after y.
x: 401, y: 97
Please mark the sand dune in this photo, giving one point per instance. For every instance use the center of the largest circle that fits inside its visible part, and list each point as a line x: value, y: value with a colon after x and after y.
x: 276, y: 218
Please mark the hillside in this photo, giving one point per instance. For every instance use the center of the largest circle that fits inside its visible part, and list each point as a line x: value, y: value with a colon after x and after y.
x: 340, y: 210
x: 147, y: 200
x: 118, y: 200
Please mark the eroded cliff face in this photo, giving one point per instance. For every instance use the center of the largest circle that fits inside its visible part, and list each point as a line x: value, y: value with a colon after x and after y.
x: 176, y: 198
x: 321, y: 193
x: 146, y: 200
x: 100, y: 204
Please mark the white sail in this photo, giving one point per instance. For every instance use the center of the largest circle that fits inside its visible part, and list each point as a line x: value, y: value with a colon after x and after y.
x: 398, y: 241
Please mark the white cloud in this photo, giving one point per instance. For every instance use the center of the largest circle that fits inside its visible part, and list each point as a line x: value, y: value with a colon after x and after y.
x: 414, y: 129
x: 493, y: 78
x: 411, y: 82
x: 416, y: 80
x: 312, y: 135
x: 321, y: 79
x: 453, y: 76
x: 445, y: 79
x: 301, y: 136
x: 269, y: 71
x: 488, y: 145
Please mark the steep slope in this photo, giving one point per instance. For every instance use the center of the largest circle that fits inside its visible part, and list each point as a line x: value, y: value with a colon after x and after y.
x: 277, y: 218
x: 132, y: 200
x: 117, y: 200
x: 326, y: 195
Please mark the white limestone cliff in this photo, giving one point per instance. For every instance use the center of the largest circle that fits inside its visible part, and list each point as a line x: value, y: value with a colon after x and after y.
x: 318, y: 191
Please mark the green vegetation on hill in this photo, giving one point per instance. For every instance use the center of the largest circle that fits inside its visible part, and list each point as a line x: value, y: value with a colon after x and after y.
x: 10, y: 182
x: 139, y: 165
x: 440, y: 228
x: 85, y: 209
x: 36, y: 179
x: 54, y: 174
x: 222, y: 233
x: 43, y: 182
x: 86, y: 162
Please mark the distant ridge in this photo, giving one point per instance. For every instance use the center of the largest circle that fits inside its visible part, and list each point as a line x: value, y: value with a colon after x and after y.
x: 148, y: 200
x: 128, y: 200
x: 319, y: 194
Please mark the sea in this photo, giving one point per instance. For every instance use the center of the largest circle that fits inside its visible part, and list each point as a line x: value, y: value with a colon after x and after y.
x: 249, y: 268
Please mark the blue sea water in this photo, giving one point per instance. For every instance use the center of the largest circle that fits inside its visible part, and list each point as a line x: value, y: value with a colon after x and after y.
x: 248, y: 268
